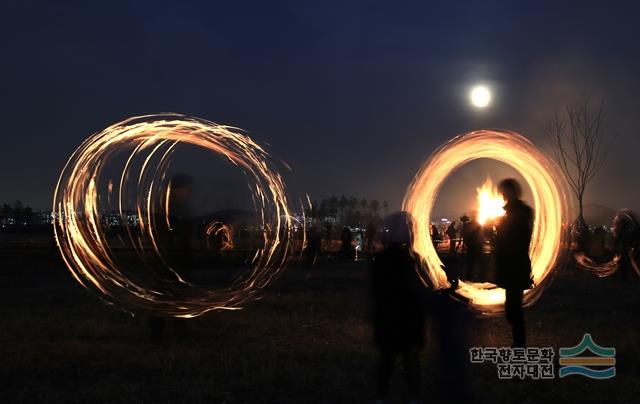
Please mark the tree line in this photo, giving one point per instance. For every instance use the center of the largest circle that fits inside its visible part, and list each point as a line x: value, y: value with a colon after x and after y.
x: 349, y: 210
x: 16, y: 213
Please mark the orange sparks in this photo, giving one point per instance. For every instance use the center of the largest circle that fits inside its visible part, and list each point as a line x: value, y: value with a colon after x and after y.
x: 222, y: 235
x: 138, y: 151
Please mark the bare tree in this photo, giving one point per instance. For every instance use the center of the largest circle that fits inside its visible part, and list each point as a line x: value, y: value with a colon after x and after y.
x: 578, y: 146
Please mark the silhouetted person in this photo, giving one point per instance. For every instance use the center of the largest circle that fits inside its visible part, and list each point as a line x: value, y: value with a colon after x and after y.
x: 464, y: 219
x: 597, y: 244
x: 313, y: 246
x: 511, y: 250
x: 582, y: 233
x: 177, y: 250
x: 626, y: 240
x: 371, y: 237
x: 180, y: 218
x: 346, y: 238
x: 435, y: 236
x: 474, y: 243
x: 450, y: 323
x: 452, y: 233
x: 398, y: 306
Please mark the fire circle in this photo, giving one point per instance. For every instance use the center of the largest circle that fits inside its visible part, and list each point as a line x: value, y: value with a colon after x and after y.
x: 123, y: 169
x: 549, y: 202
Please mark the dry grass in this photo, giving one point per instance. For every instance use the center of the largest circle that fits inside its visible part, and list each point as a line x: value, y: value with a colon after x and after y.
x: 307, y: 341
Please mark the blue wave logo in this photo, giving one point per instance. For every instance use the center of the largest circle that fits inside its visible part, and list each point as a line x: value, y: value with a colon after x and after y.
x: 573, y: 363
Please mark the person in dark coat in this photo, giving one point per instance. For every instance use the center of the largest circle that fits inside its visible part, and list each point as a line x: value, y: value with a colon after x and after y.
x: 346, y: 238
x: 181, y: 231
x: 398, y: 306
x: 452, y: 233
x: 370, y: 236
x: 511, y: 251
x: 626, y: 240
x: 464, y: 219
x: 177, y: 251
x: 474, y: 243
x: 436, y: 237
x: 450, y: 326
x: 314, y: 245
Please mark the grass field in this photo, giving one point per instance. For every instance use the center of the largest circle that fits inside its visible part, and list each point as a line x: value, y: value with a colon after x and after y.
x: 307, y: 341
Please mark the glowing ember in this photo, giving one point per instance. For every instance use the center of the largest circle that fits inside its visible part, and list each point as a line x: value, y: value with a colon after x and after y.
x: 490, y: 203
x: 626, y: 235
x: 601, y: 270
x: 138, y: 151
x: 548, y: 190
x: 222, y: 235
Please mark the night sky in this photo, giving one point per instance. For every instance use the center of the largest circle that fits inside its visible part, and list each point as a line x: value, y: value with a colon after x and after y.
x: 352, y: 95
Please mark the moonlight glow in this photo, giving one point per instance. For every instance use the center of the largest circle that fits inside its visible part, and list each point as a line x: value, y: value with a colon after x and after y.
x: 480, y: 96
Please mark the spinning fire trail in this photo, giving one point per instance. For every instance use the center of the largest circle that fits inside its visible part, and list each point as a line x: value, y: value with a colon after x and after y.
x: 138, y: 151
x: 549, y: 202
x: 626, y: 236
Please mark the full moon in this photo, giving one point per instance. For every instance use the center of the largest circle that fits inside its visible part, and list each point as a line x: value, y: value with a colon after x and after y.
x: 480, y: 96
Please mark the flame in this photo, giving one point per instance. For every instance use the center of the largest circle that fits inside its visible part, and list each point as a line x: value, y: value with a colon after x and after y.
x: 85, y: 191
x: 549, y: 199
x: 490, y: 202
